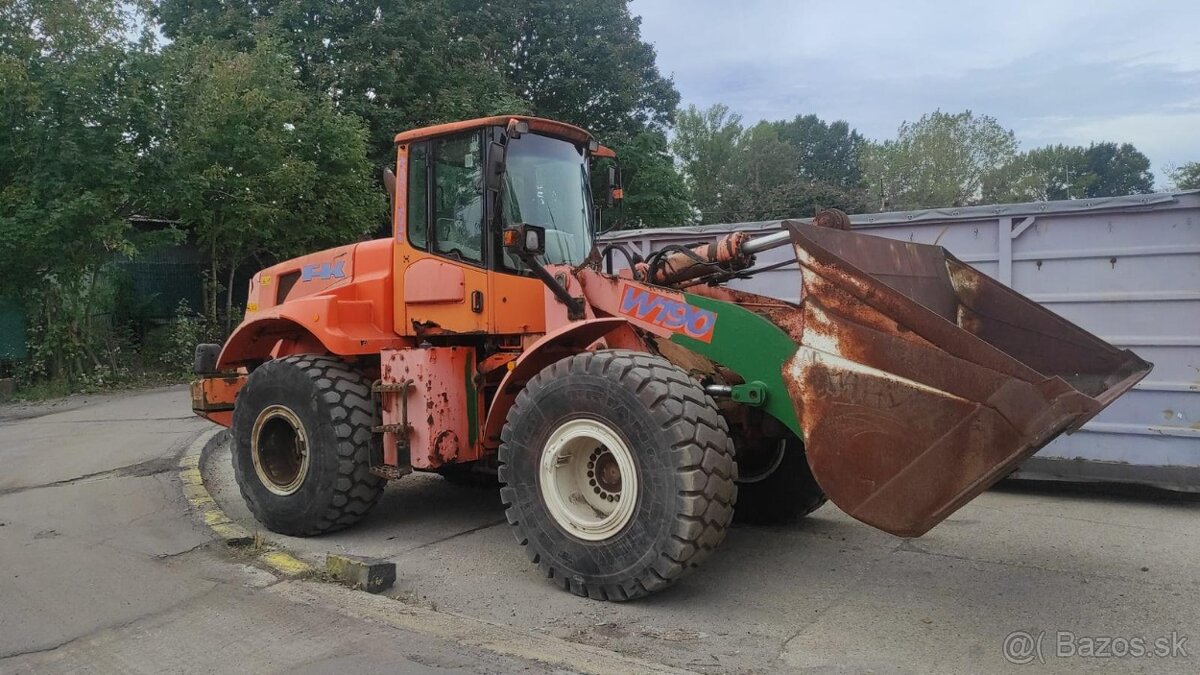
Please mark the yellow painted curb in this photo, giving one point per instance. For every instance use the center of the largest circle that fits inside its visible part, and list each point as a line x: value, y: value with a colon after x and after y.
x: 214, y: 518
x: 464, y: 630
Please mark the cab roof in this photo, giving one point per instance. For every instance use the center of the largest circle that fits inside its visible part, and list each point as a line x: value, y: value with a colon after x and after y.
x: 544, y: 126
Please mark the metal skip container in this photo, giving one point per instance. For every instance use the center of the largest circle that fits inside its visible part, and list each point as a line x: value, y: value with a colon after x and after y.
x: 919, y: 381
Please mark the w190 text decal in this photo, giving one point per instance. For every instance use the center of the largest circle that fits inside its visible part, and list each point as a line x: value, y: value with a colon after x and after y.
x: 674, y: 315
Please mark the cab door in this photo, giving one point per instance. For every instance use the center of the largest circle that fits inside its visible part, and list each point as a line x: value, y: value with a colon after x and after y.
x: 441, y: 274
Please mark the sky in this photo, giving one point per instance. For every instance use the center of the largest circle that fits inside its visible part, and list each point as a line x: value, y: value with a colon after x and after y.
x: 1052, y: 71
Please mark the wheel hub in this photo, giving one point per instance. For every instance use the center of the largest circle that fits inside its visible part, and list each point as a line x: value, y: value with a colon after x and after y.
x: 279, y: 450
x: 588, y: 479
x: 604, y: 468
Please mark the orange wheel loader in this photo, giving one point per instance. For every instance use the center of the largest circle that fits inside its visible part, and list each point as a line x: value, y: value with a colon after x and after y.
x: 626, y: 416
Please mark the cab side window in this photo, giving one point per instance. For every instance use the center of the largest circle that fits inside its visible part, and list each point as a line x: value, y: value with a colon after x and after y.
x: 458, y: 197
x: 417, y: 222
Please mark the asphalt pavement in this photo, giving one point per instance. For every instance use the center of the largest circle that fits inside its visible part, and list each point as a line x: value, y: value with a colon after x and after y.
x: 104, y: 570
x: 828, y: 594
x: 104, y: 567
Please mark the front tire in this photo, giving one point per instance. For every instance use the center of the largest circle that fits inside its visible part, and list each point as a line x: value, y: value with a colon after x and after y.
x: 617, y: 473
x: 302, y: 445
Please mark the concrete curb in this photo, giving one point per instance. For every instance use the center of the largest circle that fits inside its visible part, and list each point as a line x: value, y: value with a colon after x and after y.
x: 568, y: 656
x: 213, y: 517
x: 457, y: 628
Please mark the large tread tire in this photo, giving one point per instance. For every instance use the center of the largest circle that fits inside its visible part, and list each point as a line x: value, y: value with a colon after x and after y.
x: 334, y: 404
x: 785, y: 495
x: 686, y: 472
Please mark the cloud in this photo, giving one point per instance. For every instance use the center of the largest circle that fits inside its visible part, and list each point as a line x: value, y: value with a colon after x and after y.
x: 1054, y: 72
x: 1169, y: 139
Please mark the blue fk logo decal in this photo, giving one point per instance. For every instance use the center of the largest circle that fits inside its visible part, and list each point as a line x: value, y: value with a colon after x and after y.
x: 334, y: 270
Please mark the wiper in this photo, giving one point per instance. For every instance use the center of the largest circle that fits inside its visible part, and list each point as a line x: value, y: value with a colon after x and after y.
x: 550, y: 212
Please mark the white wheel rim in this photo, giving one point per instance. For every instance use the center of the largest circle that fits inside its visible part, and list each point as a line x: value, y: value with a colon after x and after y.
x: 588, y: 479
x: 279, y: 450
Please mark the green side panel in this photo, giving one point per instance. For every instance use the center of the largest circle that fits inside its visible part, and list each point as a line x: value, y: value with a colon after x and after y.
x: 472, y: 395
x: 160, y: 279
x: 12, y: 331
x: 752, y: 347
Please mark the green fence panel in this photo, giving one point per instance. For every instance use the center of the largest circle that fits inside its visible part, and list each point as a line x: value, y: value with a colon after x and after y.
x: 12, y: 331
x: 160, y: 279
x: 162, y: 285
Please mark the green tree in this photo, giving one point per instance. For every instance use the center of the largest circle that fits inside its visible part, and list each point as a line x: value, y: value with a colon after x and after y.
x: 1043, y: 174
x: 581, y: 61
x: 770, y: 185
x: 939, y: 160
x: 256, y: 165
x: 401, y: 64
x: 655, y: 193
x: 707, y: 145
x: 764, y: 182
x: 1070, y: 172
x: 397, y: 64
x: 72, y: 95
x: 1187, y: 177
x: 771, y: 170
x: 1118, y: 170
x: 828, y: 152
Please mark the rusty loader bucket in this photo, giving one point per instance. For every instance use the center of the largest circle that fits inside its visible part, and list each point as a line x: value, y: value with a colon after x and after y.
x: 919, y: 381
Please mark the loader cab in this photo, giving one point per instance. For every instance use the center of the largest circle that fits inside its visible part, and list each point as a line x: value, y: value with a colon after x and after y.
x: 457, y: 188
x: 546, y: 183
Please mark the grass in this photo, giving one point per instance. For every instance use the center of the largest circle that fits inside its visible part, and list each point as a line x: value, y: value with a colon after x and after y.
x: 45, y: 390
x: 249, y: 547
x: 320, y: 574
x: 41, y: 391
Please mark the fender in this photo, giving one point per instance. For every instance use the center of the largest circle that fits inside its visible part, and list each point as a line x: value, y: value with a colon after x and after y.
x: 338, y: 301
x: 315, y: 323
x: 568, y: 340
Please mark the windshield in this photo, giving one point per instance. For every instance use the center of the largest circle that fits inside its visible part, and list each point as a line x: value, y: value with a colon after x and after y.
x: 546, y: 184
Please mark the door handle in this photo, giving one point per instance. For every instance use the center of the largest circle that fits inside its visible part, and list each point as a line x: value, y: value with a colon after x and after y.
x: 477, y: 302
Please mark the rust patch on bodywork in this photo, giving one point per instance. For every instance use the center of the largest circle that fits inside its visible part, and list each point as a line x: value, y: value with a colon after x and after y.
x: 445, y: 448
x: 919, y: 381
x: 430, y: 417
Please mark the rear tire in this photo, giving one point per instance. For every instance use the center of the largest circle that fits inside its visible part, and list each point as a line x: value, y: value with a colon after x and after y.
x: 777, y: 486
x: 617, y: 473
x: 302, y: 445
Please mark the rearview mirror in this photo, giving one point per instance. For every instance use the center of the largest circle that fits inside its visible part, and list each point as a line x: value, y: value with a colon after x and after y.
x: 493, y: 171
x: 525, y: 240
x: 614, y: 193
x: 389, y: 184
